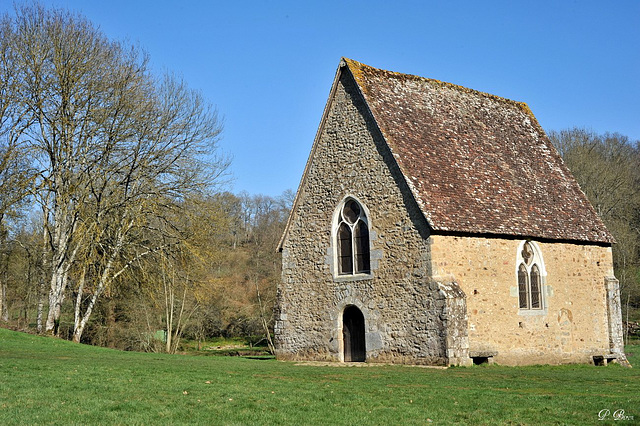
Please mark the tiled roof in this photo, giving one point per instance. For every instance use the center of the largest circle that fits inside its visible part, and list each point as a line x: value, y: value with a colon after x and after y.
x: 476, y: 163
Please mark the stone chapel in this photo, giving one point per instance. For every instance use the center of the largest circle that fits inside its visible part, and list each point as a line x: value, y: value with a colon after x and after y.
x: 436, y: 224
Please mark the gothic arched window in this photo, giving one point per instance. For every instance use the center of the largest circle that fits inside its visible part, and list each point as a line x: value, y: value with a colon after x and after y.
x: 530, y: 277
x: 352, y: 240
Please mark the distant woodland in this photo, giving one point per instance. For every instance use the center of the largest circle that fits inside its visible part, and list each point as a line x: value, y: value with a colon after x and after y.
x: 607, y: 167
x: 115, y: 226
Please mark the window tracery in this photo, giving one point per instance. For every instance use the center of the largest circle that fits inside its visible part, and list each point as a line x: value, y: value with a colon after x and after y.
x: 352, y: 240
x: 530, y: 277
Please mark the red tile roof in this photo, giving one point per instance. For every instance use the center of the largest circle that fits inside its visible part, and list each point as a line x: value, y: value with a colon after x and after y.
x: 476, y: 163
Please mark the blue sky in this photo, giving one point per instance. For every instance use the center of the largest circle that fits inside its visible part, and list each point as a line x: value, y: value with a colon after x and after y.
x: 268, y: 65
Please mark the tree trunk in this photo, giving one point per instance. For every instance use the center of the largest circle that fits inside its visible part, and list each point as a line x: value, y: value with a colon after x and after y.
x: 56, y: 298
x: 42, y: 294
x: 79, y: 329
x: 78, y: 307
x: 105, y: 279
x: 111, y: 323
x: 41, y: 298
x: 177, y: 333
x: 61, y: 263
x: 4, y: 308
x: 263, y: 318
x: 168, y: 308
x: 63, y: 258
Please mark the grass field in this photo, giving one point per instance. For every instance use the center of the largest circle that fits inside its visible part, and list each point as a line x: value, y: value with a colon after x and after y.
x: 50, y: 381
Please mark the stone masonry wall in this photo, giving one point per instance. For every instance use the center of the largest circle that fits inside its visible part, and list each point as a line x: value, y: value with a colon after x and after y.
x: 573, y: 327
x: 402, y: 307
x: 455, y: 321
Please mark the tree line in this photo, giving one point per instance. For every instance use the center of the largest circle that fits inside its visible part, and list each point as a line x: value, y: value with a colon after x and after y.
x: 114, y: 226
x: 607, y: 167
x: 113, y: 222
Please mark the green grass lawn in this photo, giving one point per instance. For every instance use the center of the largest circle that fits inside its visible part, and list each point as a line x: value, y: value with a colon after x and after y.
x: 50, y: 381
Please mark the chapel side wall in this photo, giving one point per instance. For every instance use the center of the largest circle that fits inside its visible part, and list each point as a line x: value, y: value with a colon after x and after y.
x: 400, y: 303
x: 574, y: 324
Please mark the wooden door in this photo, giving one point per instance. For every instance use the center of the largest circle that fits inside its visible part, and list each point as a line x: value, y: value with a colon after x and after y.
x: 353, y: 335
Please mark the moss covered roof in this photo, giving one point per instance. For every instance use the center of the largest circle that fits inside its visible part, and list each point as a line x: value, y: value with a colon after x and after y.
x: 475, y: 162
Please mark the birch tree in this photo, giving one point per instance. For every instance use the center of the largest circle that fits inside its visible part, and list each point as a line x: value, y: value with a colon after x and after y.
x: 113, y: 145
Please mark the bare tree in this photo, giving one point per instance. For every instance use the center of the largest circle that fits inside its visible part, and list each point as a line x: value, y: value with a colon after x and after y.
x: 15, y: 170
x: 607, y: 167
x: 145, y: 188
x: 114, y: 146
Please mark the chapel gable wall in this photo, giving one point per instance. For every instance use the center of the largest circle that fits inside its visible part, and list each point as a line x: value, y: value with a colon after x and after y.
x: 402, y: 307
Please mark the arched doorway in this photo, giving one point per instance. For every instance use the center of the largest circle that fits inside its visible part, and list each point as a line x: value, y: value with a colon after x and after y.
x: 353, y: 335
